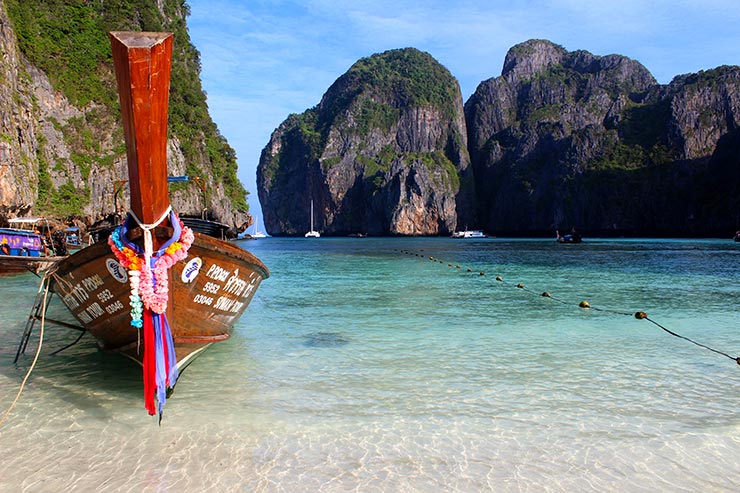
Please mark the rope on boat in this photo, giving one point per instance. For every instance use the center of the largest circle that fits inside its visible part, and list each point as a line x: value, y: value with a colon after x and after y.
x: 35, y: 358
x: 640, y: 315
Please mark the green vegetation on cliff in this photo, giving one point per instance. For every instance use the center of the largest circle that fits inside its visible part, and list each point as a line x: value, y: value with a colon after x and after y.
x: 414, y: 78
x: 371, y: 95
x: 376, y: 87
x: 374, y: 90
x: 68, y: 40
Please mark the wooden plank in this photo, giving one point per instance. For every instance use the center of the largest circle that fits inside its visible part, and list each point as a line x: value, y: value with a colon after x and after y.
x: 142, y: 62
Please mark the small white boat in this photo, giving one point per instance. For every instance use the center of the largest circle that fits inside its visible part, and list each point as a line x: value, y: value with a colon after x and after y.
x: 313, y: 233
x: 257, y: 233
x: 244, y: 235
x: 469, y: 233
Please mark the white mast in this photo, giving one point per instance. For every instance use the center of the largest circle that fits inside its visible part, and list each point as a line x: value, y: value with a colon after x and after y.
x: 312, y: 233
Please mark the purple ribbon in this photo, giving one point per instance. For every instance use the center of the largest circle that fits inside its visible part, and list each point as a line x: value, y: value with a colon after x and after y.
x: 162, y: 348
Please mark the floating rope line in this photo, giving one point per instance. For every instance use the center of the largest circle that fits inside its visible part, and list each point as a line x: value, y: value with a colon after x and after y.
x: 640, y: 315
x: 644, y: 316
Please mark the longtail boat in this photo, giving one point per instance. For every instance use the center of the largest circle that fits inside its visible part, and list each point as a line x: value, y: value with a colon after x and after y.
x: 156, y: 292
x: 24, y: 249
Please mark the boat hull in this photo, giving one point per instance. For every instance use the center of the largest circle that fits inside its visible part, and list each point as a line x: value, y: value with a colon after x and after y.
x: 15, y: 264
x: 469, y: 234
x: 23, y: 250
x: 208, y: 292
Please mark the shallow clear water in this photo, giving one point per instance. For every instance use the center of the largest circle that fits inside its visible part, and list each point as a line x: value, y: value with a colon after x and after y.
x: 363, y: 365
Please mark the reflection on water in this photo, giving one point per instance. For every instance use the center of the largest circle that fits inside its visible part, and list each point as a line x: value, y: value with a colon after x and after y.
x: 325, y: 339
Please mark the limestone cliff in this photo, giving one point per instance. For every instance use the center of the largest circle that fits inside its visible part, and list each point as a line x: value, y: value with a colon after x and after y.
x: 568, y: 139
x: 61, y: 142
x: 384, y: 152
x: 560, y: 139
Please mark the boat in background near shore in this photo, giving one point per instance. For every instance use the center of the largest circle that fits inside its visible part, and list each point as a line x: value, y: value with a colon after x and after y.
x: 156, y: 291
x: 572, y: 237
x: 257, y: 233
x: 23, y: 248
x: 73, y: 240
x: 252, y: 236
x: 469, y: 233
x: 201, y: 224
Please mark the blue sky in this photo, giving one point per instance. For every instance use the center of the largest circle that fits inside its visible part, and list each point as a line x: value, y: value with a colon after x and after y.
x: 263, y: 60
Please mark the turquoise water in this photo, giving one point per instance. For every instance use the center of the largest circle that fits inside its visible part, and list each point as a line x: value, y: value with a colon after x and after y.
x: 362, y: 365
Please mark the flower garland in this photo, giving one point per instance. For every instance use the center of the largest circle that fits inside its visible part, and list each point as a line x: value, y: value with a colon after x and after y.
x: 149, y: 287
x: 148, y: 277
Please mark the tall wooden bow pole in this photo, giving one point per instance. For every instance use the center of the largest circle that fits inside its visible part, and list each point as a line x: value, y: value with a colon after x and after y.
x: 142, y: 61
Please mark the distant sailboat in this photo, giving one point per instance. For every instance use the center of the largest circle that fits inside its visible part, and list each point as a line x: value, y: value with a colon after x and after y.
x: 312, y: 233
x: 244, y: 235
x: 257, y: 233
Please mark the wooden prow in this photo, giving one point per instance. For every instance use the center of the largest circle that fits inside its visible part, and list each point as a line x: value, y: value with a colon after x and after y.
x: 142, y: 62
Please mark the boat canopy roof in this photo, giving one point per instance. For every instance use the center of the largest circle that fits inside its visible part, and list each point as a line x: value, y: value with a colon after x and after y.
x: 6, y: 232
x: 26, y: 220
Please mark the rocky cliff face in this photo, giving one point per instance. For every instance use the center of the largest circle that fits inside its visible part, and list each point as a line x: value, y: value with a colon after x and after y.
x: 17, y: 126
x: 568, y: 139
x: 385, y: 152
x: 559, y: 140
x: 62, y: 159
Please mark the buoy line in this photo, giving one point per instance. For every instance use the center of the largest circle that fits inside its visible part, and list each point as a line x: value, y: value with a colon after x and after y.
x: 584, y: 304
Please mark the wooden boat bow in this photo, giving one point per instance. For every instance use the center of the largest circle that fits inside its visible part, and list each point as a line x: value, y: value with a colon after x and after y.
x: 157, y: 292
x: 142, y: 62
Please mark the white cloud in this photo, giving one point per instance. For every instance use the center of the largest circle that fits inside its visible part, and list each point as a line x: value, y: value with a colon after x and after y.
x: 263, y: 60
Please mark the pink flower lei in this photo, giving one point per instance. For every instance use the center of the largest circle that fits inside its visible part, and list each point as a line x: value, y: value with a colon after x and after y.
x: 153, y: 283
x: 154, y: 293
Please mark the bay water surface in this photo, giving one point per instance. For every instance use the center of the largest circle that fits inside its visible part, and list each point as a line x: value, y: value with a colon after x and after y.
x: 365, y: 365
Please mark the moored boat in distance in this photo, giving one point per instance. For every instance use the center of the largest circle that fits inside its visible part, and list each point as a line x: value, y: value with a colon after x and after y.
x: 73, y: 240
x: 469, y: 233
x: 572, y: 237
x: 157, y: 291
x: 252, y: 236
x: 257, y: 233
